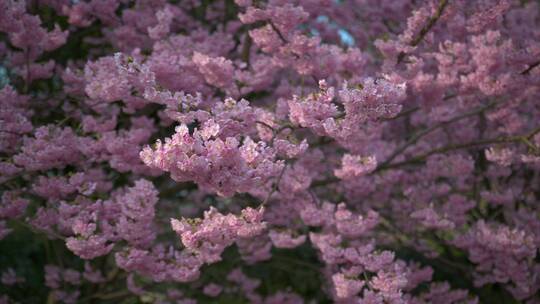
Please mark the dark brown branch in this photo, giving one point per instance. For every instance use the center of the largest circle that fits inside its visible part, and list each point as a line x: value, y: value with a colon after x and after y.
x: 431, y: 22
x: 284, y: 40
x: 277, y: 31
x: 421, y: 134
x: 246, y: 49
x: 452, y: 147
x: 519, y: 138
x: 403, y: 113
x: 448, y: 148
x: 325, y: 182
x: 427, y: 27
x: 412, y: 141
x: 266, y: 125
x: 531, y: 67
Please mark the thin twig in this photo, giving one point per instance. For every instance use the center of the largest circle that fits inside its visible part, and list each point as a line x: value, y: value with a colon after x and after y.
x: 403, y: 113
x: 295, y: 261
x: 107, y: 296
x: 46, y: 233
x: 27, y: 76
x: 368, y: 283
x: 275, y: 186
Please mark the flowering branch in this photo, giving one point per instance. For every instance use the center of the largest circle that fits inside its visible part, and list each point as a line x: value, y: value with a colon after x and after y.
x: 135, y: 140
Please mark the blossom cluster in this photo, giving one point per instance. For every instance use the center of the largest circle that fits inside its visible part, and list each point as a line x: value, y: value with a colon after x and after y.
x: 269, y: 151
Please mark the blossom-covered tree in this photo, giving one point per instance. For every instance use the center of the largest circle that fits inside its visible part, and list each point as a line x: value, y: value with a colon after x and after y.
x: 280, y: 151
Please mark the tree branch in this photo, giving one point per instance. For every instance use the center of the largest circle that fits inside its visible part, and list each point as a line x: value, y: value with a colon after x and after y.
x: 519, y: 138
x: 427, y: 27
x: 416, y: 137
x: 277, y: 31
x: 530, y: 67
x: 246, y: 49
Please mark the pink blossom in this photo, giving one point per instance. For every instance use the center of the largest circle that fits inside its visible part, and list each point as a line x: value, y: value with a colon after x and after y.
x: 355, y: 166
x: 286, y: 239
x: 216, y: 71
x: 212, y: 290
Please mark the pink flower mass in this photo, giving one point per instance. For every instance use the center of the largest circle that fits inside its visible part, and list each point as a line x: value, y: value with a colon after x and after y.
x: 270, y: 151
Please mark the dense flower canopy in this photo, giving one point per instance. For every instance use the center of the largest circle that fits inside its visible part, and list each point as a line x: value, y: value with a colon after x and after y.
x: 280, y: 151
